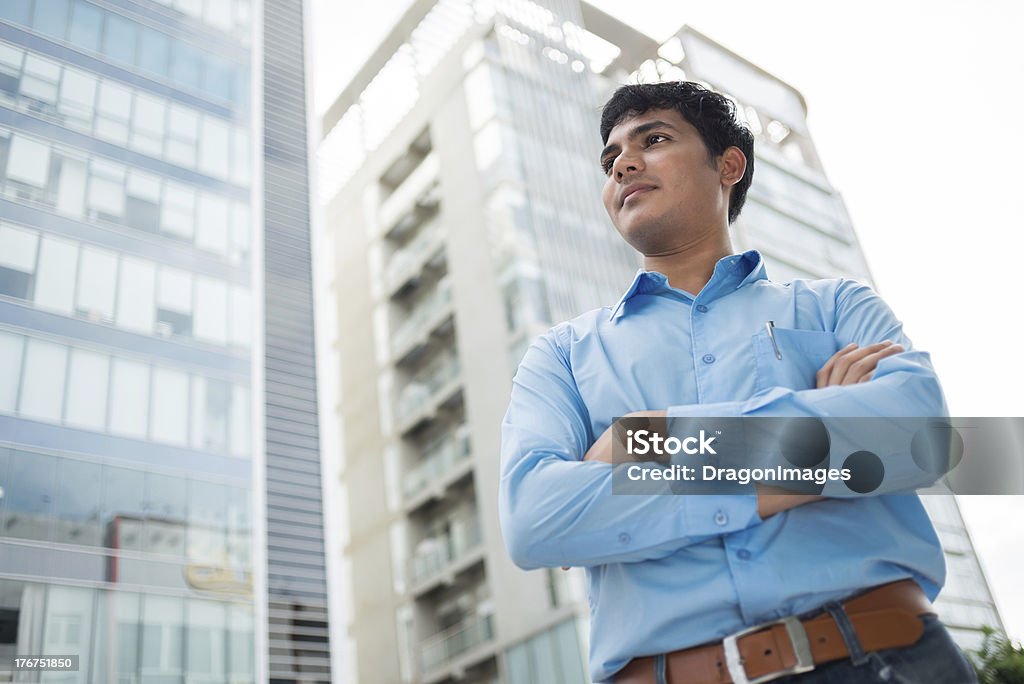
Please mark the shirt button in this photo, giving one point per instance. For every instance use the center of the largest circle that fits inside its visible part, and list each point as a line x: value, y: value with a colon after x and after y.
x: 624, y: 538
x: 743, y: 554
x: 708, y: 358
x: 721, y: 518
x: 702, y: 308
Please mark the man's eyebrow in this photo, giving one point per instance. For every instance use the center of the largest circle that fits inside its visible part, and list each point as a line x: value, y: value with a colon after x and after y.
x: 638, y: 130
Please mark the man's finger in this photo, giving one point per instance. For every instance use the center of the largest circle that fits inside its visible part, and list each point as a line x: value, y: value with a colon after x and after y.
x: 826, y: 371
x: 867, y: 365
x: 842, y: 365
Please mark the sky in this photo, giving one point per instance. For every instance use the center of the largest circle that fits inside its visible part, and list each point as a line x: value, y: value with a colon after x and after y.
x: 913, y: 108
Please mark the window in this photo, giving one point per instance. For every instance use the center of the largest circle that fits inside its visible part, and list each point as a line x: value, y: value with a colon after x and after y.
x: 214, y: 154
x: 212, y: 223
x: 182, y: 132
x: 240, y: 230
x: 240, y: 165
x: 77, y: 98
x: 119, y: 39
x: 240, y: 421
x: 206, y: 518
x: 207, y: 621
x: 71, y: 185
x: 174, y: 302
x: 11, y: 347
x: 241, y: 320
x: 86, y: 26
x: 218, y: 76
x: 16, y: 11
x: 88, y: 378
x: 211, y: 401
x: 211, y: 310
x: 77, y: 502
x: 129, y: 398
x: 162, y: 632
x: 97, y: 277
x: 28, y: 161
x: 185, y: 64
x: 135, y: 309
x: 42, y: 390
x: 112, y: 112
x: 178, y: 211
x: 148, y: 125
x: 106, y: 189
x: 10, y: 69
x: 55, y: 277
x: 18, y: 248
x: 51, y: 18
x: 28, y: 495
x: 169, y: 416
x: 142, y: 201
x: 154, y: 51
x: 39, y: 81
x: 165, y: 514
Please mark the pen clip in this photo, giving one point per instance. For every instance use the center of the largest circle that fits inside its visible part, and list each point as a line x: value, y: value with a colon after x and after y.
x: 770, y: 326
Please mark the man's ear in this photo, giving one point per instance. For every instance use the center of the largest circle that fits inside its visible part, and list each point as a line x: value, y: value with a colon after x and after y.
x: 732, y: 164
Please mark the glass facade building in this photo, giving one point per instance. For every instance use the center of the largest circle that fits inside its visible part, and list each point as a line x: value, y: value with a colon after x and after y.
x: 142, y: 460
x: 461, y: 189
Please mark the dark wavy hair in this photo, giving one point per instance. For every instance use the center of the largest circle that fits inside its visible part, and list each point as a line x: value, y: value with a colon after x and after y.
x: 711, y: 113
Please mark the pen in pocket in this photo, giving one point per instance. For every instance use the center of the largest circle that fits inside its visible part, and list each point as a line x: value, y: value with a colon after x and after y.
x: 770, y: 325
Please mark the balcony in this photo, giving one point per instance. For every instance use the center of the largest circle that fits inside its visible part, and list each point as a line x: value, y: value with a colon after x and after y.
x: 418, y: 190
x: 439, y: 559
x: 442, y: 464
x: 431, y: 389
x: 412, y: 336
x: 406, y: 265
x: 464, y: 639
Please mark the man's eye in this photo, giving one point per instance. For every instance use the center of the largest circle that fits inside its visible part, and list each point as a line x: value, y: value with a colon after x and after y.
x: 657, y: 137
x: 606, y: 165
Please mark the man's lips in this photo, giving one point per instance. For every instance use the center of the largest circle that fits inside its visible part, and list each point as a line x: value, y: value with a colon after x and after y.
x: 636, y: 190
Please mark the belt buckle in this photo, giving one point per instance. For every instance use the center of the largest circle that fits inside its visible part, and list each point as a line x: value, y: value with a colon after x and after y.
x: 797, y: 636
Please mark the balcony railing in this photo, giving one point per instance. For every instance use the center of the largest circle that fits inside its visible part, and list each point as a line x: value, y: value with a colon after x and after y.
x: 438, y: 460
x: 438, y: 553
x: 415, y: 186
x: 423, y: 314
x: 410, y: 259
x: 455, y: 641
x: 425, y: 385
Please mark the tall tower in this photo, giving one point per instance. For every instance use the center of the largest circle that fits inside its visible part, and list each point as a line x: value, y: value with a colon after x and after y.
x: 159, y: 469
x: 462, y: 218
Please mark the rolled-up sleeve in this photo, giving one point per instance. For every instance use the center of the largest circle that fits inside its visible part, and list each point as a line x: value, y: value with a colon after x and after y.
x: 556, y: 509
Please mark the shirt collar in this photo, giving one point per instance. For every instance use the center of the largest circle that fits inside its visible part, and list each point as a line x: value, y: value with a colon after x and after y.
x: 731, y: 273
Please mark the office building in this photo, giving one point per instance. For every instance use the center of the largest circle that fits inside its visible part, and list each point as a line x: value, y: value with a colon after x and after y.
x: 160, y: 491
x: 460, y: 185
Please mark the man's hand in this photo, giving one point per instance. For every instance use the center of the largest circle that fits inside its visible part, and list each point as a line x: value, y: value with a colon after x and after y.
x: 853, y: 364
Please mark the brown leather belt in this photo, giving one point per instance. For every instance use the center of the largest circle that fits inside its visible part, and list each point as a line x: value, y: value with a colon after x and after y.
x: 883, y: 617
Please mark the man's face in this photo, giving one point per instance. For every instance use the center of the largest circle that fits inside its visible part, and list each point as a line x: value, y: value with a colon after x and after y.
x: 662, y: 191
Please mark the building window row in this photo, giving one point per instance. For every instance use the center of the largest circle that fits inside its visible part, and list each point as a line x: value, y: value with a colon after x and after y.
x: 122, y: 636
x: 131, y: 44
x: 92, y: 188
x: 132, y: 293
x: 82, y: 388
x: 126, y: 116
x: 69, y: 501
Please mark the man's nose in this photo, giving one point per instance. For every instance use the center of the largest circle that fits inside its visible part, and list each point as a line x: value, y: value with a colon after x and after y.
x: 626, y: 164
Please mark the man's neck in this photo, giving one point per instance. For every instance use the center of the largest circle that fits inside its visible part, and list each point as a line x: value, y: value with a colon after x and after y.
x: 690, y: 267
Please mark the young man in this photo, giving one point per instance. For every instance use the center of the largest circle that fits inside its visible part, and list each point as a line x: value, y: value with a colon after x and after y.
x: 672, y: 580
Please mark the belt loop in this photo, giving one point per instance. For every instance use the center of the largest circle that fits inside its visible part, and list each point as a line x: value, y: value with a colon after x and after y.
x: 660, y: 676
x: 857, y: 654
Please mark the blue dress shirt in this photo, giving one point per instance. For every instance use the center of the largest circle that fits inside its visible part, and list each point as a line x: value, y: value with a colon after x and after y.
x: 668, y: 572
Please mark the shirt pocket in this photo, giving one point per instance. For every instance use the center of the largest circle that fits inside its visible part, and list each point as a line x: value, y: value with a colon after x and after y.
x: 803, y: 354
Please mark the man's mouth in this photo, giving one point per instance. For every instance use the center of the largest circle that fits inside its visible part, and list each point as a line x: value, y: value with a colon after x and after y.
x: 635, y: 192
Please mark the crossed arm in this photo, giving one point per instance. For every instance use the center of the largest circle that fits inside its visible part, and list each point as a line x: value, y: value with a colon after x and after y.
x: 557, y: 509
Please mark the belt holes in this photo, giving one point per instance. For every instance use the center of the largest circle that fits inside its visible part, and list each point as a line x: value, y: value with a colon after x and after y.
x: 821, y: 640
x: 768, y: 651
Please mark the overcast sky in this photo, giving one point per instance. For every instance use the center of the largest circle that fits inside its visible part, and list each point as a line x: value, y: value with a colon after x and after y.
x: 915, y: 108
